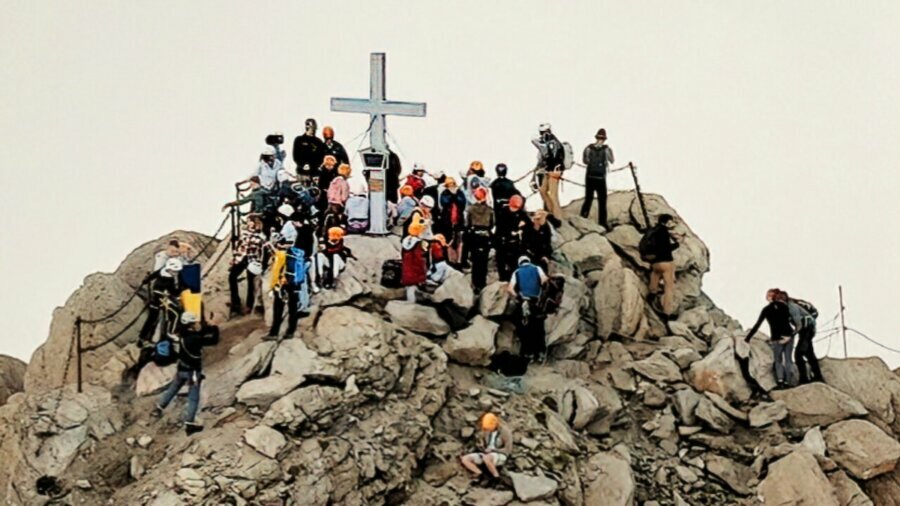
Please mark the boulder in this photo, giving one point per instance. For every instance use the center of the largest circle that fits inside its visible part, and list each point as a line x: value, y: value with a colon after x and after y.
x: 608, y: 479
x: 869, y: 381
x: 265, y: 440
x: 487, y: 497
x: 814, y: 442
x: 455, y: 291
x: 719, y: 372
x: 493, y: 301
x: 847, y: 491
x: 817, y: 404
x: 885, y: 489
x: 618, y: 300
x: 153, y: 379
x: 737, y: 476
x: 578, y: 406
x: 474, y: 345
x: 531, y: 488
x: 797, y: 479
x: 292, y: 364
x: 712, y: 417
x: 140, y: 261
x: 686, y: 401
x: 589, y: 253
x: 861, y: 448
x: 563, y: 326
x: 417, y: 318
x: 12, y: 377
x: 657, y: 367
x: 726, y: 407
x: 224, y: 378
x: 767, y: 413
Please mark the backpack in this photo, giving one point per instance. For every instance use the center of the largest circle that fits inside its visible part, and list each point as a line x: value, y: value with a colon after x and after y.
x: 648, y: 246
x: 390, y: 273
x: 357, y: 210
x: 552, y: 296
x: 296, y: 266
x: 568, y: 156
x: 808, y: 307
x: 164, y: 353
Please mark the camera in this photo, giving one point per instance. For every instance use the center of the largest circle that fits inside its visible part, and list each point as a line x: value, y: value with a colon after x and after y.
x: 274, y: 140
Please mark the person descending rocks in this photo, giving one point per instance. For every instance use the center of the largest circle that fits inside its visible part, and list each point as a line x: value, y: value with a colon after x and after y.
x: 479, y: 234
x: 551, y: 158
x: 597, y: 157
x: 332, y: 258
x: 416, y: 180
x: 414, y: 270
x: 333, y: 147
x: 803, y: 315
x: 407, y: 203
x: 526, y: 285
x: 512, y: 220
x: 503, y: 188
x: 248, y: 257
x: 194, y: 337
x: 451, y: 220
x: 438, y: 270
x: 537, y: 240
x: 327, y: 174
x: 777, y: 314
x: 655, y: 248
x: 164, y: 290
x: 494, y: 445
x: 308, y: 153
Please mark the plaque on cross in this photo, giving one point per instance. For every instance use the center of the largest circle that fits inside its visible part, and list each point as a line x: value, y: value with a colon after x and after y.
x: 377, y: 107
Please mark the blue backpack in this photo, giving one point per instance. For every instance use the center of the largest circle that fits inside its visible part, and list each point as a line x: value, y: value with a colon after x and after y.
x: 164, y: 353
x: 296, y: 266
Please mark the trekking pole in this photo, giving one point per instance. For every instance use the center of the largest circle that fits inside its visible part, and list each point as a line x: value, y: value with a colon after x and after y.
x: 640, y: 196
x: 78, y: 350
x: 843, y: 325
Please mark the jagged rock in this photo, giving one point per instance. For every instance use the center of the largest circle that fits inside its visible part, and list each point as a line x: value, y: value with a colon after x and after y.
x: 12, y: 377
x: 493, y: 300
x: 658, y: 368
x: 474, y: 344
x: 654, y: 397
x: 135, y: 468
x: 767, y: 413
x: 685, y: 474
x: 531, y: 488
x: 417, y: 318
x: 456, y: 291
x: 563, y: 325
x: 153, y: 379
x: 685, y: 357
x: 814, y: 442
x: 725, y: 407
x: 589, y: 253
x: 861, y: 448
x: 618, y: 300
x: 608, y: 479
x: 719, y: 372
x: 847, y: 491
x: 817, y: 404
x: 885, y: 489
x: 869, y: 381
x: 713, y: 417
x: 488, y: 497
x: 737, y: 476
x: 224, y: 379
x: 578, y: 406
x: 609, y: 407
x: 313, y: 404
x: 145, y: 441
x: 797, y: 479
x: 686, y: 401
x: 265, y: 440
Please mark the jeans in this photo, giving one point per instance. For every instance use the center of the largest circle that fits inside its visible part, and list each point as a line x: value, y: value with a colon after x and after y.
x: 784, y: 366
x: 233, y: 274
x: 190, y: 410
x: 805, y: 355
x: 592, y: 186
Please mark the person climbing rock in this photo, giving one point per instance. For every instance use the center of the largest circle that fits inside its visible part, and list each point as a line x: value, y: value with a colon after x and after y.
x: 802, y: 316
x: 164, y: 291
x: 479, y: 233
x: 194, y: 337
x: 333, y: 147
x: 778, y: 316
x: 597, y: 157
x: 308, y: 153
x: 512, y: 220
x: 549, y: 170
x: 538, y: 240
x: 526, y: 285
x: 248, y: 257
x: 494, y: 445
x: 290, y: 286
x: 656, y: 248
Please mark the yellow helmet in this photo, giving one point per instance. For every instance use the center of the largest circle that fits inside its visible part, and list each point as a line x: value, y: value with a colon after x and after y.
x: 344, y: 170
x: 417, y: 227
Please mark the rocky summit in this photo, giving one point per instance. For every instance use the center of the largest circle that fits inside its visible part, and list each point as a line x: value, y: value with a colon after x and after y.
x: 376, y: 399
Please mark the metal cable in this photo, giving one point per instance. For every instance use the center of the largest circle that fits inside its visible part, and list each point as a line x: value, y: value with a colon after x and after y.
x: 867, y: 338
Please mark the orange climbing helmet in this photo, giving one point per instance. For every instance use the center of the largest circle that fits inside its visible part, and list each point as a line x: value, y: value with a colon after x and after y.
x: 335, y: 234
x: 406, y: 191
x: 516, y: 202
x: 480, y: 194
x: 328, y: 133
x: 476, y: 165
x: 417, y: 227
x: 489, y: 422
x: 449, y: 182
x: 344, y: 170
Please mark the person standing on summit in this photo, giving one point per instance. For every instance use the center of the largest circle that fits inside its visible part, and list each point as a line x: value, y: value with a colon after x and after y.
x: 333, y: 147
x: 596, y: 157
x: 781, y: 332
x: 308, y: 153
x: 551, y: 160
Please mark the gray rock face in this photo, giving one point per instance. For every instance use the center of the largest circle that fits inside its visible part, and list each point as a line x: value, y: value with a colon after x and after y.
x: 870, y: 382
x: 719, y: 372
x: 608, y: 479
x: 265, y: 440
x: 818, y: 404
x: 862, y: 448
x: 589, y: 253
x: 657, y: 368
x: 12, y: 377
x: 767, y: 413
x: 473, y: 345
x: 847, y: 491
x: 531, y: 488
x: 417, y: 318
x: 737, y: 476
x: 292, y: 364
x: 797, y: 479
x: 712, y: 417
x: 618, y: 300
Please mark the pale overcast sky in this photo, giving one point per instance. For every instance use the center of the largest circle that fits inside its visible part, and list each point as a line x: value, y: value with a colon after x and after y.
x: 771, y: 126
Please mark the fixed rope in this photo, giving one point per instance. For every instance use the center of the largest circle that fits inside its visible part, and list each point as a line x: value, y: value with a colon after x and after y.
x: 873, y: 341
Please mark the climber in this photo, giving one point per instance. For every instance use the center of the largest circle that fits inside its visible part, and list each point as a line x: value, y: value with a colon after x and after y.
x: 656, y: 248
x: 494, y: 446
x: 551, y: 158
x: 290, y: 281
x: 777, y: 314
x: 416, y: 180
x: 333, y: 147
x: 260, y: 199
x: 526, y: 285
x: 164, y: 290
x: 174, y: 249
x: 266, y: 171
x: 327, y: 174
x: 308, y: 153
x: 407, y: 203
x: 596, y: 157
x: 248, y: 257
x: 194, y: 337
x: 803, y: 315
x: 332, y: 258
x: 438, y: 270
x: 503, y: 188
x: 423, y: 212
x: 451, y: 219
x: 512, y: 220
x: 479, y: 234
x: 537, y: 239
x: 414, y: 271
x: 276, y: 140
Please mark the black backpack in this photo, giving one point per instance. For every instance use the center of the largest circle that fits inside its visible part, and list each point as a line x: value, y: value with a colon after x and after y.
x: 552, y: 295
x: 648, y: 247
x: 390, y: 273
x: 808, y: 307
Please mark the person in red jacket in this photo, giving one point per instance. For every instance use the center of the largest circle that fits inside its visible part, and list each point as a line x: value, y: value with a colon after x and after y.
x: 414, y: 270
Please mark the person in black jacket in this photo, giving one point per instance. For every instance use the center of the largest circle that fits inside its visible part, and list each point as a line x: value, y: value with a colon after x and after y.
x: 663, y: 265
x: 308, y: 153
x: 333, y: 147
x: 512, y: 220
x: 537, y: 240
x: 194, y: 337
x: 163, y: 293
x: 596, y: 158
x: 503, y: 188
x: 778, y: 315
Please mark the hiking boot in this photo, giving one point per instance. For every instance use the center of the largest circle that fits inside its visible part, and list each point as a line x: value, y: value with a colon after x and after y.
x: 269, y: 337
x: 157, y: 412
x: 191, y: 428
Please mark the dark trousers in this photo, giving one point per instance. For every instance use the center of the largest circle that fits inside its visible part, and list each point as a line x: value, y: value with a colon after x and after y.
x: 233, y: 274
x: 480, y: 248
x: 804, y: 356
x: 592, y: 186
x: 153, y: 313
x: 293, y: 302
x: 508, y: 252
x: 532, y: 335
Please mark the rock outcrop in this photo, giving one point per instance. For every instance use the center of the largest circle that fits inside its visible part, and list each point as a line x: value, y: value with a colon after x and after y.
x: 12, y: 377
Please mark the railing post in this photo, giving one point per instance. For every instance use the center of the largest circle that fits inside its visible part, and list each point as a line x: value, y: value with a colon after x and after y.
x: 78, y: 350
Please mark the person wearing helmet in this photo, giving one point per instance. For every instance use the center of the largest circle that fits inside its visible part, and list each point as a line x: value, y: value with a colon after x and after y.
x: 451, y: 219
x: 494, y: 445
x: 413, y: 270
x: 308, y: 153
x: 479, y: 234
x: 194, y: 337
x: 249, y: 249
x: 407, y: 203
x: 503, y: 188
x: 416, y: 181
x: 291, y: 275
x: 527, y: 285
x: 339, y: 189
x: 597, y: 157
x: 512, y: 219
x: 267, y: 170
x: 551, y: 158
x: 276, y: 140
x: 423, y: 211
x: 332, y: 258
x: 164, y: 289
x: 333, y: 147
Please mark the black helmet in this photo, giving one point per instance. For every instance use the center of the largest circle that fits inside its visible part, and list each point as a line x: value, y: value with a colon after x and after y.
x: 501, y: 169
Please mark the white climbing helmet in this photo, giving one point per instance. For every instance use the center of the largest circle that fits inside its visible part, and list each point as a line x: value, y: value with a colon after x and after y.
x: 544, y: 127
x: 255, y: 268
x: 173, y: 266
x: 188, y: 318
x: 285, y: 210
x: 269, y: 151
x: 427, y: 201
x: 524, y: 260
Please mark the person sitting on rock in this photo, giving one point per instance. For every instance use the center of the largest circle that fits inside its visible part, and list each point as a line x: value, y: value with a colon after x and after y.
x: 248, y: 257
x: 194, y: 337
x: 777, y: 314
x: 494, y: 445
x: 538, y: 240
x: 526, y: 285
x: 164, y: 290
x: 332, y: 258
x: 512, y: 220
x: 662, y: 266
x: 413, y: 271
x: 438, y: 270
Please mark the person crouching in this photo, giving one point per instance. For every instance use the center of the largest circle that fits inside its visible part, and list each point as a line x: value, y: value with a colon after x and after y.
x: 332, y: 257
x: 494, y: 446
